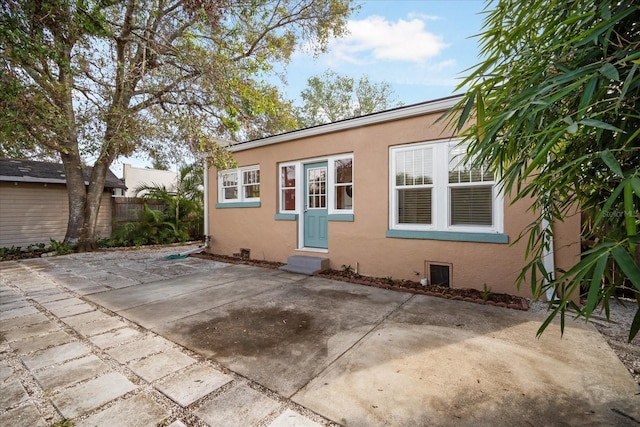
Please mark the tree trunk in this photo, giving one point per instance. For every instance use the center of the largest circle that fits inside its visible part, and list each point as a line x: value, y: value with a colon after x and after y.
x: 88, y: 240
x: 77, y: 197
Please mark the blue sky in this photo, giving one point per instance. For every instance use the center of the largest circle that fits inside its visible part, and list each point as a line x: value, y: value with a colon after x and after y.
x: 420, y: 47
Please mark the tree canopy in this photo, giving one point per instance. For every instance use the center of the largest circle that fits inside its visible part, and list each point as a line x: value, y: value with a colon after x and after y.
x: 331, y: 97
x: 98, y: 79
x: 555, y: 111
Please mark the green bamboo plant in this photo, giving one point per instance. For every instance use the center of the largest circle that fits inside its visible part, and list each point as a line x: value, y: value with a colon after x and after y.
x: 554, y: 108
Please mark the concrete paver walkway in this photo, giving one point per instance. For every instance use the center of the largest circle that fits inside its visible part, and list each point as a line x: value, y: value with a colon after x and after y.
x: 62, y: 357
x: 130, y: 338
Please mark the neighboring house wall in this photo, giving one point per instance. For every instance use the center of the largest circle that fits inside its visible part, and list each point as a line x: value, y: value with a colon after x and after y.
x: 135, y: 177
x: 363, y: 239
x: 32, y: 213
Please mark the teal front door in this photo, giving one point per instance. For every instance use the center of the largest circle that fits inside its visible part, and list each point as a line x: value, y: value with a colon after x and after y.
x: 315, y: 205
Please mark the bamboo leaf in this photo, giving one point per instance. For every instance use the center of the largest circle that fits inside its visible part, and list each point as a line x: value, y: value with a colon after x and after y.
x: 594, y: 288
x: 635, y: 184
x: 609, y: 71
x: 635, y: 326
x: 606, y: 208
x: 627, y: 265
x: 466, y: 111
x: 585, y: 99
x: 547, y: 322
x: 629, y: 216
x: 627, y: 83
x: 611, y: 162
x: 599, y: 124
x: 480, y: 114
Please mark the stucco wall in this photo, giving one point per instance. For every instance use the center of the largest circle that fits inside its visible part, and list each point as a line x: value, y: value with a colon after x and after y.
x: 135, y: 177
x: 32, y: 213
x: 363, y: 242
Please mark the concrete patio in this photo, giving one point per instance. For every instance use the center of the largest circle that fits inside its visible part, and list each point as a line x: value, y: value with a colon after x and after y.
x: 206, y: 343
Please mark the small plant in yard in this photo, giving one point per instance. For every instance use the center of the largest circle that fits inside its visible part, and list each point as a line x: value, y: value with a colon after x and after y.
x: 389, y: 280
x: 63, y: 423
x: 61, y: 248
x: 16, y: 252
x: 7, y: 253
x: 347, y: 269
x: 486, y: 292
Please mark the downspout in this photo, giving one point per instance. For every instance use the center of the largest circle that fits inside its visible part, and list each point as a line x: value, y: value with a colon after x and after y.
x: 207, y: 236
x: 547, y: 257
x: 547, y: 249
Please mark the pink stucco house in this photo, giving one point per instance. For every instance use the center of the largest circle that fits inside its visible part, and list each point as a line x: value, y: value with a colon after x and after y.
x: 385, y: 193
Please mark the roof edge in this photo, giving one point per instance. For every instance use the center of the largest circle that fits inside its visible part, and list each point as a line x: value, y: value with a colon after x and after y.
x: 29, y: 179
x: 404, y: 112
x: 13, y: 178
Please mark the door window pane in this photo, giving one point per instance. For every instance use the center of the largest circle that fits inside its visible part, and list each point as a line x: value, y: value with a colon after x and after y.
x: 317, y: 188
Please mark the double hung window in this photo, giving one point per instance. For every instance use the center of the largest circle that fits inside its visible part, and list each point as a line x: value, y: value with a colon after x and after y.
x: 343, y: 184
x: 414, y: 185
x: 288, y: 188
x: 434, y: 187
x: 470, y: 191
x: 239, y: 185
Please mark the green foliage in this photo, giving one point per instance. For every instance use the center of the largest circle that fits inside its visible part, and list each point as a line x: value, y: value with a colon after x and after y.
x: 63, y: 423
x: 486, y: 292
x: 100, y: 80
x: 554, y: 109
x: 34, y: 250
x: 331, y: 97
x: 61, y: 248
x: 10, y: 253
x: 347, y: 269
x: 153, y: 228
x: 181, y: 219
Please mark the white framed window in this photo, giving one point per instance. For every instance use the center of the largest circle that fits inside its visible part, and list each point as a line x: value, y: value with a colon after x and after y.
x: 288, y: 179
x: 433, y: 189
x: 339, y: 184
x: 239, y: 185
x: 413, y: 185
x: 470, y: 191
x: 343, y: 184
x: 229, y: 186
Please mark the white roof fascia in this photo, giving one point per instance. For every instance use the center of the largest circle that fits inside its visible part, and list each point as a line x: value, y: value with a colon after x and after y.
x: 375, y: 118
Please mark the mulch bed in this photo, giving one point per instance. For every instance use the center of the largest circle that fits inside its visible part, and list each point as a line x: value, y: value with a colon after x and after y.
x: 458, y: 294
x: 237, y: 260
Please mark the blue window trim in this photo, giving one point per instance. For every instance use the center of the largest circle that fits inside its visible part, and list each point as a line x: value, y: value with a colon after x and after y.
x: 456, y: 236
x: 286, y: 217
x: 237, y: 205
x: 341, y: 217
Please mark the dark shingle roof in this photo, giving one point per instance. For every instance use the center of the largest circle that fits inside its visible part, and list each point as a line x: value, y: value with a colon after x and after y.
x: 33, y: 171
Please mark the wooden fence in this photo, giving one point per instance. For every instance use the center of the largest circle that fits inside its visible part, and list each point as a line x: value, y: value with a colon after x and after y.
x: 129, y: 209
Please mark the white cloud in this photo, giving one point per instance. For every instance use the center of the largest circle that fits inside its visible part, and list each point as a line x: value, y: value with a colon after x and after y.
x: 423, y: 16
x: 376, y: 38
